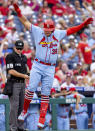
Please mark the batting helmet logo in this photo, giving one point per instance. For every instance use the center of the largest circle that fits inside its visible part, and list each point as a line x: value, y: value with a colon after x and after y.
x: 49, y: 25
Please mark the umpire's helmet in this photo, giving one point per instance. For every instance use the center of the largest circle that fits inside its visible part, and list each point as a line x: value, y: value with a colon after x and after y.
x: 49, y: 25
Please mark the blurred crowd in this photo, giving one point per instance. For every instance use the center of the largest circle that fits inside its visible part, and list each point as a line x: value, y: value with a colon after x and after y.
x: 75, y: 66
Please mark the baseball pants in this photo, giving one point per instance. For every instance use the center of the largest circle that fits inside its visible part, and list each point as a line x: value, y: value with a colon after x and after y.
x: 82, y: 120
x: 43, y: 73
x: 16, y: 105
x: 63, y: 123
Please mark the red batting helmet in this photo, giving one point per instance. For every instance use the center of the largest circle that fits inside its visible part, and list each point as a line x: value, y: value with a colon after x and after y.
x: 49, y: 25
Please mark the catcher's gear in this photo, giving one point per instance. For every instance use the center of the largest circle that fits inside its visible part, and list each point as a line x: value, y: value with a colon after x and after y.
x: 49, y: 25
x: 75, y: 29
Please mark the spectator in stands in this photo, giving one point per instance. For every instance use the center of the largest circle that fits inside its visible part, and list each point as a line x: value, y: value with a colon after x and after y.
x: 2, y: 79
x: 74, y: 78
x: 74, y: 58
x: 85, y: 52
x: 58, y: 78
x: 51, y: 3
x: 63, y: 24
x: 91, y: 43
x: 26, y: 9
x: 4, y: 10
x: 34, y: 5
x: 12, y: 37
x: 66, y: 53
x: 59, y: 65
x: 6, y: 50
x: 80, y: 82
x: 22, y: 36
x: 87, y: 3
x: 1, y: 2
x: 79, y: 10
x: 91, y: 11
x: 3, y: 33
x: 58, y: 10
x: 45, y: 10
x: 92, y: 69
x: 28, y: 53
x: 9, y: 22
x: 89, y: 77
x: 72, y: 21
x: 68, y: 82
x: 69, y: 7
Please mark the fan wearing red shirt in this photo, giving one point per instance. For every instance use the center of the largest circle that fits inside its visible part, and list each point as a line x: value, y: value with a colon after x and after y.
x: 28, y: 53
x: 4, y: 10
x: 58, y: 9
x: 3, y: 33
x: 84, y: 49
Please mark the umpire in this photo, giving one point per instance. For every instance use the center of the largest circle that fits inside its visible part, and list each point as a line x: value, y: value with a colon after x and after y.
x: 17, y: 73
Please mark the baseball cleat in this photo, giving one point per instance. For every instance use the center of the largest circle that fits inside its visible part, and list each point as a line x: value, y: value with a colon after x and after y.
x: 22, y: 116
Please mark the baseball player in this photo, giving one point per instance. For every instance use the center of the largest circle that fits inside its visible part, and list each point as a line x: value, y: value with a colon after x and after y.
x: 79, y: 109
x: 63, y: 122
x: 46, y: 41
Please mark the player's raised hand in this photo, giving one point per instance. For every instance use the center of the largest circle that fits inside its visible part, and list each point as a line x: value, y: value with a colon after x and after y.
x: 88, y: 21
x: 17, y: 9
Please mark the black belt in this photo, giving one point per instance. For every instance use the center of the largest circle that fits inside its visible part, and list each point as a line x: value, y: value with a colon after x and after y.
x: 18, y: 81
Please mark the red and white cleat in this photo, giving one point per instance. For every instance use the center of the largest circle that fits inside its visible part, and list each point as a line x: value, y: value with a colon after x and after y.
x: 22, y: 116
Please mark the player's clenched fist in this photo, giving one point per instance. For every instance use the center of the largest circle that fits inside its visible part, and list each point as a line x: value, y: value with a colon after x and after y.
x: 17, y: 9
x: 88, y: 21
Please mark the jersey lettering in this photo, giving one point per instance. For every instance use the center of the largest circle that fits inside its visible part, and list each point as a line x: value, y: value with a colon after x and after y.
x: 54, y: 51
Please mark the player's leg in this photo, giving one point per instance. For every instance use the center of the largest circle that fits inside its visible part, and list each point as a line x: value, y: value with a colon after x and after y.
x: 35, y: 78
x: 93, y: 121
x: 47, y: 80
x: 82, y: 121
x: 60, y: 124
x: 85, y: 115
x: 66, y: 125
x: 2, y: 120
x: 32, y: 121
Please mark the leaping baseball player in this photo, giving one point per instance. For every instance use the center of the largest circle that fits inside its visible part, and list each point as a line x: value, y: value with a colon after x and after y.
x: 47, y: 41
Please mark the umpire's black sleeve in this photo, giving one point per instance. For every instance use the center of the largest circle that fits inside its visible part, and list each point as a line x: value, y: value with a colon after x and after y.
x: 9, y: 62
